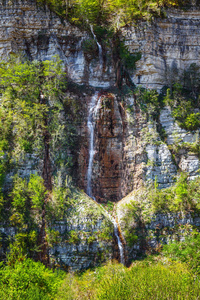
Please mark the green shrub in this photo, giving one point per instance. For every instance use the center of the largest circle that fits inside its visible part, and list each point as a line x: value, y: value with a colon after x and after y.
x: 187, y: 251
x: 183, y: 98
x: 184, y: 195
x: 90, y: 49
x: 149, y: 101
x: 29, y: 280
x: 73, y: 237
x: 128, y: 59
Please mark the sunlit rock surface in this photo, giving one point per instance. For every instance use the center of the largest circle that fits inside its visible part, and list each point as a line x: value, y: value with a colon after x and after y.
x: 168, y: 46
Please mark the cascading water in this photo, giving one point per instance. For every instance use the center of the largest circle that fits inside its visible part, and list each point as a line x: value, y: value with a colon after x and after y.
x: 119, y: 243
x: 99, y: 47
x: 90, y: 125
x: 93, y: 109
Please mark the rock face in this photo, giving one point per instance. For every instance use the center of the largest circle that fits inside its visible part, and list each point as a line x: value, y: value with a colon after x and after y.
x: 186, y: 160
x: 108, y: 148
x: 40, y: 34
x: 128, y: 150
x: 168, y: 46
x: 83, y: 238
x: 34, y: 30
x: 123, y: 159
x: 128, y: 147
x: 149, y: 230
x: 86, y: 237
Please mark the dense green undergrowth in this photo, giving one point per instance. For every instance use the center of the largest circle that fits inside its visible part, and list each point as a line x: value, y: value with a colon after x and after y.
x: 173, y: 274
x: 27, y: 279
x: 187, y: 251
x: 143, y: 280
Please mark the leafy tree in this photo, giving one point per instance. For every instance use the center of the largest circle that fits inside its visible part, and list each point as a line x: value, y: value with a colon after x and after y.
x: 31, y: 102
x: 27, y: 198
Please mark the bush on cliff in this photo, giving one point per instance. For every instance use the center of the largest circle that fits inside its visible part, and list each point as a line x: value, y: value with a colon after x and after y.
x: 183, y: 98
x: 111, y: 12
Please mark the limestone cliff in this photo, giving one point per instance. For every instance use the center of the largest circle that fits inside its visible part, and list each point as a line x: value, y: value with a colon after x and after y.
x: 168, y: 46
x: 129, y: 148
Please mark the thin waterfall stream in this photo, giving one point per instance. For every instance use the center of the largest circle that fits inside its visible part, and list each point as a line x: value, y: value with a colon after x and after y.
x: 91, y: 124
x: 92, y: 113
x: 99, y: 47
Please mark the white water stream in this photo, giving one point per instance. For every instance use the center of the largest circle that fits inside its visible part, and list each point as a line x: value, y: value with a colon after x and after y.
x: 91, y: 125
x: 99, y: 47
x: 93, y: 109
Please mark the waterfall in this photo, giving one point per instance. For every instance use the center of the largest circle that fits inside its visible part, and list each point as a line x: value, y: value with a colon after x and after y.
x: 120, y: 245
x: 93, y: 109
x: 116, y: 233
x: 99, y: 46
x: 91, y: 124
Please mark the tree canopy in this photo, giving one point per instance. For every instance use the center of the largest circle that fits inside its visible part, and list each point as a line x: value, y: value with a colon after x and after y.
x: 114, y: 13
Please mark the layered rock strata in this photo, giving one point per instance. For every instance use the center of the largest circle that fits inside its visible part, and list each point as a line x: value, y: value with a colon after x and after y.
x: 150, y: 231
x: 34, y: 30
x: 128, y: 150
x: 168, y: 46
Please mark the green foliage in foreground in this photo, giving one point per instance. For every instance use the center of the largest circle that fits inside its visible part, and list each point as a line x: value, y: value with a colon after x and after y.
x: 144, y: 280
x: 153, y: 278
x: 30, y: 280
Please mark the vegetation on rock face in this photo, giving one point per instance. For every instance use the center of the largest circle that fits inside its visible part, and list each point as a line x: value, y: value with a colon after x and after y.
x: 183, y: 98
x: 26, y: 213
x: 113, y: 13
x: 149, y: 101
x: 183, y: 196
x: 178, y: 200
x: 32, y: 107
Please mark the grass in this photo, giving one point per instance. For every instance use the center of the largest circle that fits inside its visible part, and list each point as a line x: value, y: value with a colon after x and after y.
x: 143, y: 280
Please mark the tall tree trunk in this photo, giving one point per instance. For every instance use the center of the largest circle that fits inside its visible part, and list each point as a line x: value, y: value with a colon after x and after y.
x: 46, y: 175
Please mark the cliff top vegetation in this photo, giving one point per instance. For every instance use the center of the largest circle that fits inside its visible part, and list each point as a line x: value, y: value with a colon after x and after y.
x: 112, y: 13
